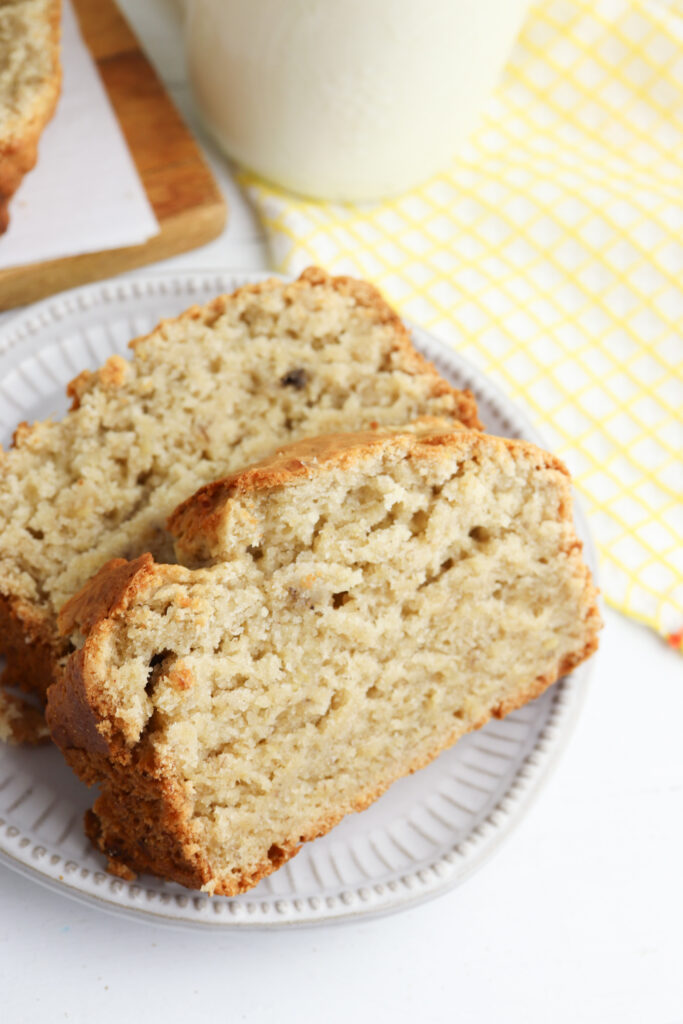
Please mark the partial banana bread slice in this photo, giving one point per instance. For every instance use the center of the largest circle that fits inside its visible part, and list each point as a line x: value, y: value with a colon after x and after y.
x: 30, y: 80
x: 205, y: 393
x: 370, y: 598
x: 20, y: 722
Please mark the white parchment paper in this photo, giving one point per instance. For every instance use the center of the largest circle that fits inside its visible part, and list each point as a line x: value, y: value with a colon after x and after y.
x: 84, y: 194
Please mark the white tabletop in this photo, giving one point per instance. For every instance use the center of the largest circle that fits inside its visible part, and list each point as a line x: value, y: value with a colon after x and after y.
x: 577, y: 918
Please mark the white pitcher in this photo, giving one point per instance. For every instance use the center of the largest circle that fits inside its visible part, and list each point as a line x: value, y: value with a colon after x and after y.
x: 346, y: 99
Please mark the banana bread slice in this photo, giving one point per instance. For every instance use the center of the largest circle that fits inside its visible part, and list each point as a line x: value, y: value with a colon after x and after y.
x: 204, y: 394
x: 368, y: 599
x: 30, y: 80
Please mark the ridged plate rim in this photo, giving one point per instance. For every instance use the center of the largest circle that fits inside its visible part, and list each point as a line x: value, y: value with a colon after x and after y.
x: 141, y: 900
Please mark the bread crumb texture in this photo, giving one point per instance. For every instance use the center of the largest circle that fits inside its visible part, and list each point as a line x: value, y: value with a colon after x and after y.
x: 212, y: 390
x: 357, y: 608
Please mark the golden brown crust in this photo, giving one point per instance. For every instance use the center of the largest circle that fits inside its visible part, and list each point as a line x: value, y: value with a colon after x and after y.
x: 142, y: 820
x: 76, y: 714
x: 105, y: 593
x: 139, y: 820
x: 199, y: 517
x: 19, y: 150
x: 366, y: 296
x: 109, y: 376
x: 305, y: 457
x: 72, y: 713
x: 32, y: 648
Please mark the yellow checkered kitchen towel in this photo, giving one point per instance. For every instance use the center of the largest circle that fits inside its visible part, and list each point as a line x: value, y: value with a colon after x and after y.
x: 551, y: 255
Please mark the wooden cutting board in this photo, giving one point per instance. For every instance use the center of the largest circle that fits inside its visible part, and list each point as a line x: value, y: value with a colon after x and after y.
x: 186, y: 200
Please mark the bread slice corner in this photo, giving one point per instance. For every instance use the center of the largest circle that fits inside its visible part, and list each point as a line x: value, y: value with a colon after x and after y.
x: 365, y: 601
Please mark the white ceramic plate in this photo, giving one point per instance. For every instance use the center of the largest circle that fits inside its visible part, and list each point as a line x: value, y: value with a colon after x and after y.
x: 422, y: 837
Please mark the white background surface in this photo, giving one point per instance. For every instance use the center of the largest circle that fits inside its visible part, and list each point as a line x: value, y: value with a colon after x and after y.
x: 577, y: 918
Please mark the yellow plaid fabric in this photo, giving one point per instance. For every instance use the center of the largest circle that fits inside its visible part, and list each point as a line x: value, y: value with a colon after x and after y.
x: 551, y: 254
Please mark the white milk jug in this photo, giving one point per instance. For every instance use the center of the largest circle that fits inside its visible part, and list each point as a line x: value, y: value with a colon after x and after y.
x: 346, y: 99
